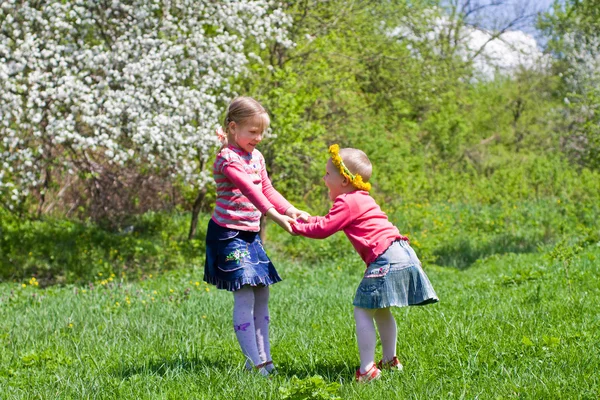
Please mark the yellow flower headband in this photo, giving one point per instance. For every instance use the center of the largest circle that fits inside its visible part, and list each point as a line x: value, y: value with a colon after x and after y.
x: 336, y: 159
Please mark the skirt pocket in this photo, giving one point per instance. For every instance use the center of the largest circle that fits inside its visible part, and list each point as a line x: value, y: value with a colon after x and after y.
x: 374, y: 278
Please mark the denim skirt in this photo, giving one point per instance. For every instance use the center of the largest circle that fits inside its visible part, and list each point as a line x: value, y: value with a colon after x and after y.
x: 236, y: 258
x: 395, y: 279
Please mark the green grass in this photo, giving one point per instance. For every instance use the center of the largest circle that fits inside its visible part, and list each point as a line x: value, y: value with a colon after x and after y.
x: 509, y: 326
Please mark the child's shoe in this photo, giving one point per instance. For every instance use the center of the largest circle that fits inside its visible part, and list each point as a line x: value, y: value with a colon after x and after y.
x: 263, y: 369
x: 393, y: 364
x: 270, y: 367
x: 372, y: 374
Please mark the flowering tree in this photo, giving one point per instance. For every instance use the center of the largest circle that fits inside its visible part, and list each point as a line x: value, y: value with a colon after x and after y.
x: 582, y: 79
x: 572, y: 28
x: 94, y: 89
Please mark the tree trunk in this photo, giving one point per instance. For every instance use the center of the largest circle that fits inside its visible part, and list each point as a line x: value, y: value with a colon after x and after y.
x: 263, y: 224
x: 196, y: 211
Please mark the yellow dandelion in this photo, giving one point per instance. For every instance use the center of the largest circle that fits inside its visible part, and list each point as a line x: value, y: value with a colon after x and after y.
x: 117, y: 304
x: 204, y: 316
x: 23, y: 285
x: 207, y: 289
x: 171, y: 290
x: 197, y: 283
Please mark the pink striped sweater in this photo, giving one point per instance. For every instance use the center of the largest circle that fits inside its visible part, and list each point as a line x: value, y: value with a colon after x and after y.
x: 244, y: 190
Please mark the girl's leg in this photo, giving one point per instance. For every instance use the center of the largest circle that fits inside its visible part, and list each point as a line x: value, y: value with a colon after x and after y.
x: 243, y: 322
x: 261, y: 323
x: 365, y: 335
x: 386, y: 325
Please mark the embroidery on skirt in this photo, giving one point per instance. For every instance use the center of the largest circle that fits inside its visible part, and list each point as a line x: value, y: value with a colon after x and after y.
x: 237, y: 255
x: 377, y: 272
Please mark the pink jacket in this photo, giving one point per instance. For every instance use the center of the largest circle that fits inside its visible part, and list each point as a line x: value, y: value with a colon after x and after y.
x: 361, y: 219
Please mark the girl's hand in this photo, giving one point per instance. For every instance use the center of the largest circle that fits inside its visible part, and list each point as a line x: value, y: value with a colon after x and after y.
x: 283, y: 221
x: 294, y: 213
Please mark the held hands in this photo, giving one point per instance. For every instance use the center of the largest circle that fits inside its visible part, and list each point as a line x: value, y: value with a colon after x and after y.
x: 283, y: 221
x: 294, y: 213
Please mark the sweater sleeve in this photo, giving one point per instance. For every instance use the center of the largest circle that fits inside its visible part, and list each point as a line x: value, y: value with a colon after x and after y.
x: 278, y: 201
x: 321, y: 227
x: 236, y: 174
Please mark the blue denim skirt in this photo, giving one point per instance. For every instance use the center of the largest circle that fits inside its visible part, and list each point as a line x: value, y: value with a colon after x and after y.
x: 236, y: 258
x: 395, y: 279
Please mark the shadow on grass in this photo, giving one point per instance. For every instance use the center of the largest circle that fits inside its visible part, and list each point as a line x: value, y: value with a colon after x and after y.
x: 462, y: 254
x: 329, y: 372
x: 165, y: 366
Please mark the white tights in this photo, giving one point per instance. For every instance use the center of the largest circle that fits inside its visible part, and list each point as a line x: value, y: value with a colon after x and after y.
x: 251, y: 322
x: 366, y: 337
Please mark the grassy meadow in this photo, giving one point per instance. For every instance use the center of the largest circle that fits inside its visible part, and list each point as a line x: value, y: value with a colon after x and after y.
x: 518, y: 318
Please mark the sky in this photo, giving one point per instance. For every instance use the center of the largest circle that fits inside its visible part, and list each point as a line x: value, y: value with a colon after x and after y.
x: 519, y: 46
x: 497, y: 16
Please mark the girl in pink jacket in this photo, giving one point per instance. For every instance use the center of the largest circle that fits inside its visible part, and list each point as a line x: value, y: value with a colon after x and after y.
x: 393, y: 277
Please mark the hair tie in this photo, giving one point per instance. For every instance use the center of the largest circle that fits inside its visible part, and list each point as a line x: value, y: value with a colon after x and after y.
x: 221, y: 136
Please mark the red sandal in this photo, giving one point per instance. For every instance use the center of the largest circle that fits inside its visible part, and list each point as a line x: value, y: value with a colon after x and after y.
x: 393, y: 364
x: 372, y: 374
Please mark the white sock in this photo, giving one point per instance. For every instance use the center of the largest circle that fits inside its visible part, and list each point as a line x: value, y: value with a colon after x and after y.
x: 243, y: 323
x: 365, y: 335
x: 261, y: 324
x: 386, y: 325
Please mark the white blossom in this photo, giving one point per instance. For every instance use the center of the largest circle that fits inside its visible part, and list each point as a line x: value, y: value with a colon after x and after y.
x: 143, y: 81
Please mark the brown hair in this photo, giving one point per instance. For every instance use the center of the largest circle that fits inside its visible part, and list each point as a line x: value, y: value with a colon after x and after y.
x: 243, y: 108
x: 357, y: 162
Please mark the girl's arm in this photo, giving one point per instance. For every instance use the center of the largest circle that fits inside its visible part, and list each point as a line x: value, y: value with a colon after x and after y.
x: 236, y: 174
x: 278, y: 201
x: 321, y: 227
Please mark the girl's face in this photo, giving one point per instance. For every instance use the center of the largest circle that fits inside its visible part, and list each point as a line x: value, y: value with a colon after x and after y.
x: 334, y: 181
x: 248, y: 134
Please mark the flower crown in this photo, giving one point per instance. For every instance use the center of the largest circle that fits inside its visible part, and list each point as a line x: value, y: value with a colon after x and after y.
x: 336, y: 159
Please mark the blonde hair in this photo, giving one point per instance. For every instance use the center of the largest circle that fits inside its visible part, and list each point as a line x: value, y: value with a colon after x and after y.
x: 240, y: 110
x: 357, y: 162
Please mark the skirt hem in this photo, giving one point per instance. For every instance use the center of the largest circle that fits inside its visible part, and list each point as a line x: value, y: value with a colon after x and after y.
x: 237, y: 284
x: 399, y: 305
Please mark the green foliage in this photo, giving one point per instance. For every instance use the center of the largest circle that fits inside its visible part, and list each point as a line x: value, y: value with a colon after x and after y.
x: 311, y: 388
x: 454, y: 234
x: 572, y: 28
x: 66, y: 251
x: 432, y: 132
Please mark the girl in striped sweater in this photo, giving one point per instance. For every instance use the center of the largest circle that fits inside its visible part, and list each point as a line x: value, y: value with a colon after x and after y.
x: 235, y: 258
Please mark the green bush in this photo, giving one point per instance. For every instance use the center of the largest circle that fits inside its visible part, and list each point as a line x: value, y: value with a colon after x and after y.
x: 61, y: 250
